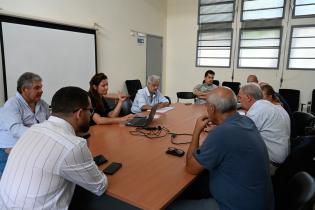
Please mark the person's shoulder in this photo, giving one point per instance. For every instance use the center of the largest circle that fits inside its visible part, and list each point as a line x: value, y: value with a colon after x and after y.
x: 13, y: 102
x: 44, y: 104
x: 198, y: 86
x: 262, y: 106
x: 142, y: 91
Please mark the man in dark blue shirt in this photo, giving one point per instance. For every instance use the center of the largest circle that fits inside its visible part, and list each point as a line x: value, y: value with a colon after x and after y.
x: 235, y: 155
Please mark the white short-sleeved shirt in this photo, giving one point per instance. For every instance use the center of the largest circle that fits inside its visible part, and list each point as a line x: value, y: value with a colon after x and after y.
x: 44, y: 167
x: 273, y: 123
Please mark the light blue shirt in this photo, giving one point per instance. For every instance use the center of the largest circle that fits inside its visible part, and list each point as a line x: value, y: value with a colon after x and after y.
x: 143, y: 97
x: 16, y: 117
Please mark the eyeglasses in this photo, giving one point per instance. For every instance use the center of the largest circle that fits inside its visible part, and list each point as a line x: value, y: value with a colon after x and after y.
x: 90, y: 109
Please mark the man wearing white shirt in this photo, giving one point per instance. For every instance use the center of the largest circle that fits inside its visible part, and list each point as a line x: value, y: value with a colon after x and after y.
x: 149, y: 96
x: 50, y: 159
x: 21, y: 112
x: 272, y: 121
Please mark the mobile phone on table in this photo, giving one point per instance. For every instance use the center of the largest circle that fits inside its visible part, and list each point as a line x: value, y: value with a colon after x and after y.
x: 99, y: 160
x: 174, y: 151
x: 112, y: 168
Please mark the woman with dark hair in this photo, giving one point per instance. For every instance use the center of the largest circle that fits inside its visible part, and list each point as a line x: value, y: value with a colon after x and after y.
x: 103, y: 114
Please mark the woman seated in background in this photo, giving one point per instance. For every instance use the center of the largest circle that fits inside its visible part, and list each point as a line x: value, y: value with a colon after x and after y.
x: 102, y: 112
x: 269, y: 94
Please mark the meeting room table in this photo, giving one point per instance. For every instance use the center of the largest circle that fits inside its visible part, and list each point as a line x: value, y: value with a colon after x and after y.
x: 149, y: 178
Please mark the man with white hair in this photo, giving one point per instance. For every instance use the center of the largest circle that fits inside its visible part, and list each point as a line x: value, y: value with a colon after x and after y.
x: 273, y: 122
x: 149, y: 96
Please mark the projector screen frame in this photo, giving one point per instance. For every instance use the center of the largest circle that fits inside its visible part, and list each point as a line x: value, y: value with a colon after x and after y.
x: 38, y: 23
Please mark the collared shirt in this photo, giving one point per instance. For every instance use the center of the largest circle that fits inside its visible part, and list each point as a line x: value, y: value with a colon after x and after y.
x: 237, y: 159
x: 203, y: 88
x: 273, y: 123
x: 44, y: 166
x: 16, y: 116
x: 143, y: 97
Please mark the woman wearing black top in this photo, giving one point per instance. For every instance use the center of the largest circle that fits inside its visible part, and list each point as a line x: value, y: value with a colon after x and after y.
x: 102, y: 113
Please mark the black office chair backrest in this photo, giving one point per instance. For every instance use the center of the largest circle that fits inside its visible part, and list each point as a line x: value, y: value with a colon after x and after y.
x: 313, y: 102
x: 301, y: 158
x: 132, y: 87
x: 301, y: 192
x: 216, y: 82
x: 301, y: 121
x: 235, y: 86
x: 185, y: 95
x: 292, y: 97
x: 169, y: 99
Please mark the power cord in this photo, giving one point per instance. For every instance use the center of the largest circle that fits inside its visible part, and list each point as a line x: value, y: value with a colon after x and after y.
x: 174, y: 135
x: 159, y: 132
x: 150, y: 132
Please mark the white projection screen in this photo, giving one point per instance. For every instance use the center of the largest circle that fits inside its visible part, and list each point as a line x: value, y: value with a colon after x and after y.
x: 61, y: 55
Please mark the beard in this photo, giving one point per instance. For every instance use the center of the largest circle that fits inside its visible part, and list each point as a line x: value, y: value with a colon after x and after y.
x: 84, y: 127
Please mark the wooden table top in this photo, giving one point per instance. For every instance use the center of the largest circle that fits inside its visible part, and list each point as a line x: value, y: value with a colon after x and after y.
x: 149, y: 178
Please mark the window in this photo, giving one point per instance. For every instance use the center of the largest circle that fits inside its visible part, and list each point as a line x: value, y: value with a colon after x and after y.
x: 302, y: 48
x: 259, y: 48
x: 262, y: 9
x: 261, y: 30
x: 304, y: 8
x: 214, y: 48
x: 214, y: 11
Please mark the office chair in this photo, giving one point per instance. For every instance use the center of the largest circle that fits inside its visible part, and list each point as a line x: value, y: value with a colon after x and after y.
x: 301, y: 192
x: 132, y: 87
x: 235, y: 86
x: 169, y: 99
x: 292, y: 97
x: 185, y: 95
x: 300, y: 159
x: 301, y: 121
x: 216, y: 82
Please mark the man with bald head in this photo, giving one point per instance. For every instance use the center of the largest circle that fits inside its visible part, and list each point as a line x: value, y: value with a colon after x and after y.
x: 234, y: 154
x: 252, y: 78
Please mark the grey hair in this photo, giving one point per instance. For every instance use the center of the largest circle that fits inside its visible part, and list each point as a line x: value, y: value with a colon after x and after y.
x: 152, y: 78
x: 253, y: 90
x: 223, y: 104
x: 26, y: 80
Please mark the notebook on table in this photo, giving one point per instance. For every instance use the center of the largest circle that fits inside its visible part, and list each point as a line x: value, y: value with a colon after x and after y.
x: 143, y: 121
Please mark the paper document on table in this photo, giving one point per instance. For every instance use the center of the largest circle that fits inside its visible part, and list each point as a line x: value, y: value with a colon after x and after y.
x: 165, y: 109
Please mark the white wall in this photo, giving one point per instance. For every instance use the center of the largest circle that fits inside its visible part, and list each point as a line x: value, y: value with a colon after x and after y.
x: 119, y: 55
x: 182, y: 74
x: 121, y: 58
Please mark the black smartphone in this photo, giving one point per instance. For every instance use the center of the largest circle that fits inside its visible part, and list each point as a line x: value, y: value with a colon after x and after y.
x: 99, y: 160
x: 112, y: 168
x: 174, y: 151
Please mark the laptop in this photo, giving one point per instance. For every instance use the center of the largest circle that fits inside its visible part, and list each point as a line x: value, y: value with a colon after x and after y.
x: 143, y: 121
